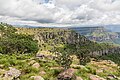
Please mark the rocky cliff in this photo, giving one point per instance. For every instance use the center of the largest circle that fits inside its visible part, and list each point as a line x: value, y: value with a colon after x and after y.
x: 60, y: 37
x: 112, y: 50
x: 48, y: 38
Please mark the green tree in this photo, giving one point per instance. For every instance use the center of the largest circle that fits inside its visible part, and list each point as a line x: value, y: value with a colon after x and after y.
x: 11, y: 42
x: 63, y: 57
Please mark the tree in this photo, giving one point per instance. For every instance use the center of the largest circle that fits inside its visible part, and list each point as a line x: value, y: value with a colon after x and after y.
x: 63, y: 57
x: 11, y: 42
x: 83, y: 56
x: 8, y: 46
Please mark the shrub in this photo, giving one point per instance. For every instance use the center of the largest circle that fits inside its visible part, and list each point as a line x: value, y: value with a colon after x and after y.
x: 16, y: 43
x: 63, y: 57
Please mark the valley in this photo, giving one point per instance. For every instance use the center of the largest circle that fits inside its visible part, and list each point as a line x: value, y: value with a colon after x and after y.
x: 56, y: 54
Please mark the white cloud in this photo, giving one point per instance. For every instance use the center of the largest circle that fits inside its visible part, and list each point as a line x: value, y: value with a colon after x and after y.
x: 62, y: 12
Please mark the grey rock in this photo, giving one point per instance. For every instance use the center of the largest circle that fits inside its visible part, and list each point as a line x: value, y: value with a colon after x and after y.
x: 13, y: 73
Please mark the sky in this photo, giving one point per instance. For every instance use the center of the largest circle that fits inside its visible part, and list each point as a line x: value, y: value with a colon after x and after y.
x: 60, y: 12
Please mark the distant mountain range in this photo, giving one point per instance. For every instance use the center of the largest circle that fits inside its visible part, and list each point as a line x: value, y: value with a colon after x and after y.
x: 113, y: 28
x: 99, y: 34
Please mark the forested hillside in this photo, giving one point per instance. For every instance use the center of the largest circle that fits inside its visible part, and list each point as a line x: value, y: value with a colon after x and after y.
x: 11, y: 42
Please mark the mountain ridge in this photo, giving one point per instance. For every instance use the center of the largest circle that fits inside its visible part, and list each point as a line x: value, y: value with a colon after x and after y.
x: 99, y: 34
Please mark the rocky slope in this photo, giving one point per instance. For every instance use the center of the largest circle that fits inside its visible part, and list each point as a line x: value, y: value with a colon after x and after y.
x: 25, y: 67
x: 48, y: 38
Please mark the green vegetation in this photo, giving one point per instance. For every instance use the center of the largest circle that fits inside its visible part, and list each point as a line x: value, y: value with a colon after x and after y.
x: 52, y: 69
x: 63, y: 58
x: 113, y: 57
x: 18, y: 48
x: 11, y: 42
x: 22, y: 62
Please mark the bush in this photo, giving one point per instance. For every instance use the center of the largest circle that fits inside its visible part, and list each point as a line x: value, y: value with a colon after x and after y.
x: 16, y: 43
x: 63, y: 57
x: 17, y: 46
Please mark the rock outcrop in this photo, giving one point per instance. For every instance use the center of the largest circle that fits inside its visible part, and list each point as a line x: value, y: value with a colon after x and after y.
x: 60, y: 36
x: 105, y: 51
x: 48, y: 38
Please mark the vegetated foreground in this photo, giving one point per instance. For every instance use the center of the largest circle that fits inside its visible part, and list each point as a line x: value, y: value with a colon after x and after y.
x: 54, y: 54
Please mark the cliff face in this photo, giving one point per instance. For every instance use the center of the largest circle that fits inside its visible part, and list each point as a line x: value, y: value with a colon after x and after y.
x: 60, y: 37
x: 48, y: 38
x: 53, y: 38
x: 103, y: 52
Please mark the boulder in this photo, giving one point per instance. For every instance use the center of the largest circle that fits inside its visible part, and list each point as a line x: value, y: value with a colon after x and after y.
x: 36, y: 65
x: 42, y: 72
x: 37, y: 77
x: 67, y: 74
x: 12, y: 73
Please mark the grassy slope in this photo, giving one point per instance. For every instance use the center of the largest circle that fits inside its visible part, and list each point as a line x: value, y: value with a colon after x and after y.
x: 22, y: 62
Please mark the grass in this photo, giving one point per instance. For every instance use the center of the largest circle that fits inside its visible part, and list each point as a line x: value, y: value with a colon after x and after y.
x: 21, y: 62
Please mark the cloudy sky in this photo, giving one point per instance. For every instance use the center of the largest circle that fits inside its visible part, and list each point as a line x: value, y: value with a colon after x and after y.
x: 60, y: 12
